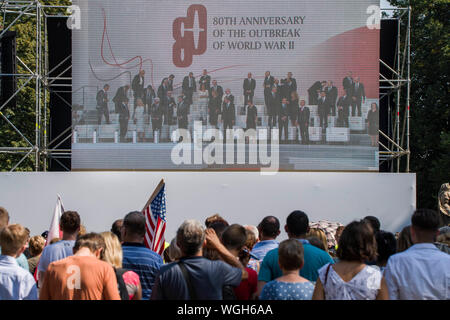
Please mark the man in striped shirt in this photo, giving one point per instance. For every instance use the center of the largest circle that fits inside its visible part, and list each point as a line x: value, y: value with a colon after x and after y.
x: 136, y: 257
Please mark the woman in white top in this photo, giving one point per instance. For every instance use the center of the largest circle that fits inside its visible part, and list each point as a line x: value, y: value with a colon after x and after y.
x: 138, y: 118
x: 203, y: 101
x: 351, y: 278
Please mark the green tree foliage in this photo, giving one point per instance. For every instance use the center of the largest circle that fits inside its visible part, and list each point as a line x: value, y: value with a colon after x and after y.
x: 430, y: 113
x: 23, y: 115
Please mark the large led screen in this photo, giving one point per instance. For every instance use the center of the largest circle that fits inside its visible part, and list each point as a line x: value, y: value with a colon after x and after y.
x: 226, y: 85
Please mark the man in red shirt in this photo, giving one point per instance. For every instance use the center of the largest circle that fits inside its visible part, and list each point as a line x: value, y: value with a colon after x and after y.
x: 234, y: 238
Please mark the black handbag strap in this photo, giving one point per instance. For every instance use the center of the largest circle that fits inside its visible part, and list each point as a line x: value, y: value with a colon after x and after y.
x: 187, y: 278
x: 326, y: 274
x: 326, y: 280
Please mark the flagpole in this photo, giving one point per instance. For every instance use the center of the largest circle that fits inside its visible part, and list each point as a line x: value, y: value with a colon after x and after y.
x: 154, y: 194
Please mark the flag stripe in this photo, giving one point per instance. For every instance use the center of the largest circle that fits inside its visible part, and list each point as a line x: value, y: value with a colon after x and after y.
x: 155, y: 221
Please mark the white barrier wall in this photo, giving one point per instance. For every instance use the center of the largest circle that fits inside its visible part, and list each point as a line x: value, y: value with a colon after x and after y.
x: 102, y: 197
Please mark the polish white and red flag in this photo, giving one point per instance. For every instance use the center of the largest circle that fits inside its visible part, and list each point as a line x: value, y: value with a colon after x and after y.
x: 155, y: 219
x: 55, y: 231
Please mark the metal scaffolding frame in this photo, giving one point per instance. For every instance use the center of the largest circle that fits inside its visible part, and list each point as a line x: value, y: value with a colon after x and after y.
x: 401, y: 77
x: 43, y: 149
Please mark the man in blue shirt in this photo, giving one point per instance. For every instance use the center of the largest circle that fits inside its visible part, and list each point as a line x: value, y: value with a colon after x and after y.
x: 4, y: 221
x: 269, y: 230
x: 297, y: 226
x: 423, y: 271
x: 70, y: 225
x: 15, y: 283
x: 136, y: 257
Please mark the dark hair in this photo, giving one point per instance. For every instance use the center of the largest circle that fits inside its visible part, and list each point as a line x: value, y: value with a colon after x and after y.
x: 92, y: 241
x: 269, y: 226
x: 70, y: 221
x: 374, y: 223
x: 426, y: 220
x: 404, y: 239
x: 219, y: 227
x: 386, y: 245
x: 134, y: 223
x: 115, y: 228
x: 214, y: 218
x: 357, y: 243
x: 106, y: 85
x: 316, y: 242
x: 297, y: 223
x: 290, y: 254
x: 234, y: 237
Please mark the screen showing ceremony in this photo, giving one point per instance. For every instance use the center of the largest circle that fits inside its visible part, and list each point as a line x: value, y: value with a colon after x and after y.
x: 226, y: 85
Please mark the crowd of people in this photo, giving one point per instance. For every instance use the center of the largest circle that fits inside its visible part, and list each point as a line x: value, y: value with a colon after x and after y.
x: 284, y: 107
x: 219, y: 260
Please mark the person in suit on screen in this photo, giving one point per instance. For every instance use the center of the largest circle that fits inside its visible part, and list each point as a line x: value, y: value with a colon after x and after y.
x: 293, y: 107
x: 162, y: 90
x: 360, y: 94
x: 102, y: 104
x: 169, y: 108
x: 274, y: 105
x: 252, y: 115
x: 121, y: 95
x: 214, y: 107
x: 170, y: 82
x: 228, y: 115
x: 137, y: 85
x: 343, y: 106
x: 267, y: 85
x: 205, y: 79
x: 249, y: 88
x: 348, y: 83
x: 149, y: 96
x: 229, y: 95
x: 157, y: 113
x: 189, y: 87
x: 283, y: 119
x: 373, y: 124
x: 323, y: 109
x: 289, y: 85
x: 303, y: 121
x: 182, y: 113
x: 215, y: 87
x: 332, y: 95
x: 124, y: 116
x: 313, y: 92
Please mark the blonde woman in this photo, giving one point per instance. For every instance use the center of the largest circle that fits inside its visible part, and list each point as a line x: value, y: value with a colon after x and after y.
x: 35, y: 246
x: 128, y: 281
x: 319, y: 234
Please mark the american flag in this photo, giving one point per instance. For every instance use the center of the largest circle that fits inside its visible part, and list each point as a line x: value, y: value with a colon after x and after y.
x: 155, y: 218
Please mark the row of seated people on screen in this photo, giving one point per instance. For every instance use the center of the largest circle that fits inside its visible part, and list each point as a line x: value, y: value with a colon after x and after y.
x: 280, y: 115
